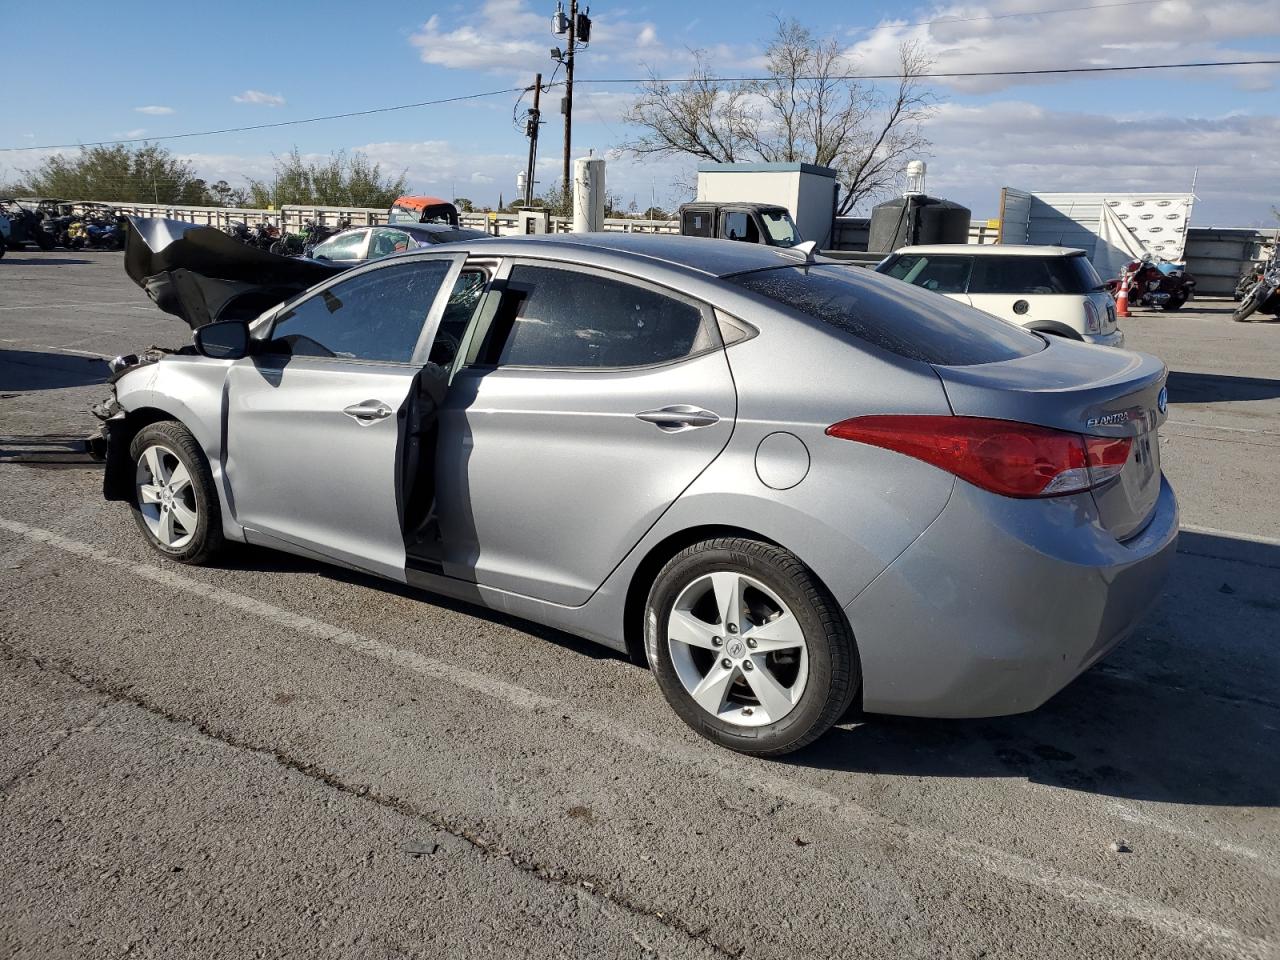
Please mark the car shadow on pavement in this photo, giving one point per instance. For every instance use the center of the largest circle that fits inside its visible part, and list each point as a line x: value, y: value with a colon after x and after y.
x: 12, y: 260
x: 23, y: 370
x: 1214, y: 387
x: 263, y: 560
x: 1185, y: 711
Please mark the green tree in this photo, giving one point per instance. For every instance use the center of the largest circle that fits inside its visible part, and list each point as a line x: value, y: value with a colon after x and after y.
x: 464, y: 204
x: 144, y: 174
x: 222, y: 194
x: 342, y: 180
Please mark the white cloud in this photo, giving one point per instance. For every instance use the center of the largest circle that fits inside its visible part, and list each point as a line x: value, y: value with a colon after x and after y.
x: 154, y: 111
x: 1048, y: 150
x: 260, y: 98
x: 130, y: 134
x: 1168, y: 31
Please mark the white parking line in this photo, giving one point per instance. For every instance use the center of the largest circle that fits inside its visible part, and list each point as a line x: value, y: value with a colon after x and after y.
x: 78, y: 303
x: 47, y: 346
x: 1187, y: 927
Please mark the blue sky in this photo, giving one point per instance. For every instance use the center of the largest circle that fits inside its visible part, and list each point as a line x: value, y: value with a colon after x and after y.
x: 150, y: 69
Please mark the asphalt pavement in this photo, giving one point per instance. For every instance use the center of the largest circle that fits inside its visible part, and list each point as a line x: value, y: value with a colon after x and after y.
x: 273, y: 757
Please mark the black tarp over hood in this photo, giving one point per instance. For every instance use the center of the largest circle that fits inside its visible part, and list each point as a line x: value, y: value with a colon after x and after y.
x: 201, y: 274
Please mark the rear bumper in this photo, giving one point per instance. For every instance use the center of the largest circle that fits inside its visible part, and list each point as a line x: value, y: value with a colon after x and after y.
x: 1001, y: 603
x: 1113, y: 339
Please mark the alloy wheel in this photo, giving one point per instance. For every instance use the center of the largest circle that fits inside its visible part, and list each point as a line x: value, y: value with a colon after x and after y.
x: 166, y: 497
x: 737, y: 649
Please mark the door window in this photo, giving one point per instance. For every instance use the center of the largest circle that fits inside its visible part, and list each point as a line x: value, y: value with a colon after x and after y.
x: 945, y: 274
x: 385, y: 242
x: 564, y: 318
x: 736, y: 225
x: 345, y: 246
x: 373, y: 316
x: 465, y: 299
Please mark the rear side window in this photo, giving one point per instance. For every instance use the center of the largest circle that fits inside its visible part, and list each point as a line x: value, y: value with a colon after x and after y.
x: 1030, y: 275
x: 942, y: 274
x: 373, y: 316
x: 911, y: 323
x: 565, y: 318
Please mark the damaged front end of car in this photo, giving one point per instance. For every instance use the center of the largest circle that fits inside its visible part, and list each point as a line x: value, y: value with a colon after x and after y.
x: 200, y: 275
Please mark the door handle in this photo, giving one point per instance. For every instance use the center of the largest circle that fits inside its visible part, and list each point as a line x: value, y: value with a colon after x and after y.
x: 678, y: 417
x: 368, y: 411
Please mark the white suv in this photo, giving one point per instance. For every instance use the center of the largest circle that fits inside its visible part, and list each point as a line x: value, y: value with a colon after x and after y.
x: 1048, y: 289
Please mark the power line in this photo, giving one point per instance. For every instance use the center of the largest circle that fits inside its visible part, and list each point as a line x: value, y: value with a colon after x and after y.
x: 959, y: 74
x: 268, y: 126
x: 1026, y: 13
x: 1059, y: 71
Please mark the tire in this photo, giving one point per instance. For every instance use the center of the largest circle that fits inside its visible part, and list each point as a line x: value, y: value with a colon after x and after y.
x: 772, y: 699
x: 181, y: 519
x: 279, y: 248
x: 1246, y: 308
x: 1173, y: 304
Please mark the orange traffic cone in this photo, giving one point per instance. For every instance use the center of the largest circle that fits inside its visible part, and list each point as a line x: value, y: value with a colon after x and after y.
x: 1122, y: 298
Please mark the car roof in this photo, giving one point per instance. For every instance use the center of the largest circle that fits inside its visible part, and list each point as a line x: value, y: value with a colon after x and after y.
x: 995, y: 250
x: 716, y: 258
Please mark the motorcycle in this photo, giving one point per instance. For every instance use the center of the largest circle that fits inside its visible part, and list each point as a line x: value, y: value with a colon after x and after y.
x: 1166, y: 286
x: 261, y: 235
x: 299, y: 244
x: 1264, y: 295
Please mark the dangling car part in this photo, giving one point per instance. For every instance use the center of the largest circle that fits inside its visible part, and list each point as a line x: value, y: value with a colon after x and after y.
x: 201, y: 275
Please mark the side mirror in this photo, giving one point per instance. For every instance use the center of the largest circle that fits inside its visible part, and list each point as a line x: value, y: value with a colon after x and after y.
x: 225, y: 340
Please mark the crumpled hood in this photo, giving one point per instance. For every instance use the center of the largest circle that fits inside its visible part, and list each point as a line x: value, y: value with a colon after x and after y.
x: 201, y: 274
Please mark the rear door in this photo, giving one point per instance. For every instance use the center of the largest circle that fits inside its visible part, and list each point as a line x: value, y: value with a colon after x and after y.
x: 590, y: 402
x: 316, y: 423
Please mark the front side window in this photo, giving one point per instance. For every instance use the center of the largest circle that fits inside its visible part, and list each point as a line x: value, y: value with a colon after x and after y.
x: 345, y: 246
x: 464, y: 300
x: 942, y: 274
x: 553, y: 317
x: 373, y: 316
x: 736, y: 225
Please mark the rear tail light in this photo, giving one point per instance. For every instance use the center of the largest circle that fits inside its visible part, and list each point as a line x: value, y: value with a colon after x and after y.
x: 1003, y: 456
x: 1092, y: 322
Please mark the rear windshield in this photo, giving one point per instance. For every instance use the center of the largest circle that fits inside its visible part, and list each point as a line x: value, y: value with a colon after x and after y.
x: 910, y: 323
x: 956, y: 273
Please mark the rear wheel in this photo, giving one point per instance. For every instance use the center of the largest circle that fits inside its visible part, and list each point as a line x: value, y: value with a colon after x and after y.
x: 1174, y: 303
x: 174, y: 502
x: 748, y: 647
x: 44, y: 240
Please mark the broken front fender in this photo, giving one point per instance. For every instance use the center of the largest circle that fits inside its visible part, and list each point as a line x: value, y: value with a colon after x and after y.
x: 201, y: 274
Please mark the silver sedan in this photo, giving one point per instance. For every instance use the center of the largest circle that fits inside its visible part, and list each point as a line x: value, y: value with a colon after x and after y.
x: 793, y: 488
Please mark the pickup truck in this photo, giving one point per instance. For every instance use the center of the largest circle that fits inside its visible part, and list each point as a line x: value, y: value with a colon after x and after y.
x: 750, y: 222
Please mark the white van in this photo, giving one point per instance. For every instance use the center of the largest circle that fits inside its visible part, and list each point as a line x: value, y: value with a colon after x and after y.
x: 1048, y: 289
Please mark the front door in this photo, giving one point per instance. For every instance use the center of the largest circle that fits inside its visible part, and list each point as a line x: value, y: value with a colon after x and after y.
x: 592, y: 402
x: 317, y: 421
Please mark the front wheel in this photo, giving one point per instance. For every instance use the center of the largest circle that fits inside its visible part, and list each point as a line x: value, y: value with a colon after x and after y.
x: 1247, y: 306
x: 174, y: 503
x: 748, y: 647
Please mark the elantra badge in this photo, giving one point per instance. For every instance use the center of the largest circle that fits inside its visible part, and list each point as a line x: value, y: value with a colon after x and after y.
x: 1110, y: 420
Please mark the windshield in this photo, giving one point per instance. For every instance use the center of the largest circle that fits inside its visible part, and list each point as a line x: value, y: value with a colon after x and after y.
x: 780, y: 228
x: 891, y: 316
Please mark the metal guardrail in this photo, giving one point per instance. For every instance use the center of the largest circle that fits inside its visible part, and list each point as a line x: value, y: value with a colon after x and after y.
x: 291, y: 219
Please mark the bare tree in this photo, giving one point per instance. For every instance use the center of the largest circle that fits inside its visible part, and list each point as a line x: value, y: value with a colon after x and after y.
x: 810, y: 108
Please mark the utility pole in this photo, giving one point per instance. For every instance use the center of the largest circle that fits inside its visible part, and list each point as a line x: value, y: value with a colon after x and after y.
x: 531, y: 129
x: 568, y: 92
x: 577, y: 28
